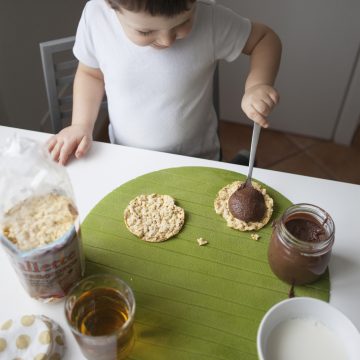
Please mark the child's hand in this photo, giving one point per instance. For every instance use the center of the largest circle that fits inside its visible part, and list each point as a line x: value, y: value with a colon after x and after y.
x: 258, y: 102
x: 75, y: 139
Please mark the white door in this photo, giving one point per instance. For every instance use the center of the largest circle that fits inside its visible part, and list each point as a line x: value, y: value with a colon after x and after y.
x: 320, y: 49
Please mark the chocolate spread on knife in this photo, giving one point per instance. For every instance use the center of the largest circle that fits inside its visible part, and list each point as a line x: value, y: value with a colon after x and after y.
x: 291, y: 291
x: 247, y: 204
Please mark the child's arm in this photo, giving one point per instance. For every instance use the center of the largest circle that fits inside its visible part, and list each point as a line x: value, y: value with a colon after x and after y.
x: 264, y: 49
x: 87, y: 96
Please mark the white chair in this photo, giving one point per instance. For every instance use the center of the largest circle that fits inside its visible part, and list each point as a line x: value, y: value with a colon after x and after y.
x: 216, y: 91
x: 59, y: 67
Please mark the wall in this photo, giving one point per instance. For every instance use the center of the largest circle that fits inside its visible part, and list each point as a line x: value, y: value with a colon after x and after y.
x: 320, y: 46
x: 23, y: 25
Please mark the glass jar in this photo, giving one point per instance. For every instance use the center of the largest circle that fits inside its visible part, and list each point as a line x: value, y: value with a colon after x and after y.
x: 301, y: 243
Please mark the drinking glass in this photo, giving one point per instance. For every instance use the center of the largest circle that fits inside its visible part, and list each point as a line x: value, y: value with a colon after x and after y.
x: 100, y: 311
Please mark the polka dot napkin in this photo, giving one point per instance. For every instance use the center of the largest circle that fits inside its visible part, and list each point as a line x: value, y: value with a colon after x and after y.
x: 31, y: 337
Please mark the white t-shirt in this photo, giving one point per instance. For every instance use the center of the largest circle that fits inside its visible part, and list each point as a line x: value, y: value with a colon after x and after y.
x: 162, y: 99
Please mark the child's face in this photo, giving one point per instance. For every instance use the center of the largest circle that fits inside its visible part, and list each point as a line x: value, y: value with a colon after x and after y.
x: 159, y: 32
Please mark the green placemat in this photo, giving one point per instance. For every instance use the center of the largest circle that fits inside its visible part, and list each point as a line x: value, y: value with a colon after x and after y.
x: 193, y: 302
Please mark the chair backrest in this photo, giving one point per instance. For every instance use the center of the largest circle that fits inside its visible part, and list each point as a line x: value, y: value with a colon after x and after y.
x: 216, y: 91
x: 59, y: 67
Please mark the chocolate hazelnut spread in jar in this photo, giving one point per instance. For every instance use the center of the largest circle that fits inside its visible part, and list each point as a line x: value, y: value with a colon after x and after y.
x: 301, y: 244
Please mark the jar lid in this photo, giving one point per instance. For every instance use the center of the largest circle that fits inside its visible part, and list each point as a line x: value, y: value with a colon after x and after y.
x: 34, y: 337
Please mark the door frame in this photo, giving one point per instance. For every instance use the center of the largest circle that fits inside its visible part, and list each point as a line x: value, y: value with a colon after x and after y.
x: 349, y: 115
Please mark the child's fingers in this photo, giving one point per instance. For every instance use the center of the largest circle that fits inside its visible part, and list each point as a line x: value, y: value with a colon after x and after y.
x: 55, y: 152
x: 262, y: 107
x: 83, y: 147
x: 65, y: 153
x: 274, y: 96
x: 269, y: 102
x: 51, y: 143
x: 258, y: 118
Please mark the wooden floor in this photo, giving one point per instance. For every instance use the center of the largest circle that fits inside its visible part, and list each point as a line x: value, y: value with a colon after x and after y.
x: 295, y: 154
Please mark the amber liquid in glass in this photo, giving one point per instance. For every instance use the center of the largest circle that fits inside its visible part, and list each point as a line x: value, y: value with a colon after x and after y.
x: 103, y: 312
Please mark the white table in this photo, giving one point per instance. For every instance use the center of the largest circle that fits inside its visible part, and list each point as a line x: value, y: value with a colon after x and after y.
x: 113, y: 165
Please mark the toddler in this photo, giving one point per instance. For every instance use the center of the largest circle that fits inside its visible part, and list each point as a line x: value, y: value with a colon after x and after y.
x: 155, y: 59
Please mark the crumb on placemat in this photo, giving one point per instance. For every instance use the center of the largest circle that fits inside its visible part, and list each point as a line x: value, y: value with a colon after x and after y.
x: 201, y: 241
x: 255, y: 237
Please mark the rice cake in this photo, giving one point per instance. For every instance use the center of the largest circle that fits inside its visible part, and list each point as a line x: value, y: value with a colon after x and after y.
x: 39, y: 220
x: 154, y: 217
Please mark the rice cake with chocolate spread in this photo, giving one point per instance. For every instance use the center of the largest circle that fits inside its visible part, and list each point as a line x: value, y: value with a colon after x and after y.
x: 222, y: 208
x: 154, y: 217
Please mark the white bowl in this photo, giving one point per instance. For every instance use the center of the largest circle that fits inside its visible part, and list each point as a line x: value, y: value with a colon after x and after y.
x: 309, y: 308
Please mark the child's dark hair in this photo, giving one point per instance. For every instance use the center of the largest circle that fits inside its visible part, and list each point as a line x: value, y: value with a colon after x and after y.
x: 153, y: 7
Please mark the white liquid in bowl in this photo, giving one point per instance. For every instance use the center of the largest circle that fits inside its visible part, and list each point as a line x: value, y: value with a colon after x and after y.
x: 304, y: 338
